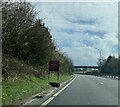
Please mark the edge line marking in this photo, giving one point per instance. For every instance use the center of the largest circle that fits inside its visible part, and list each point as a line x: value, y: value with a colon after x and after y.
x: 56, y: 94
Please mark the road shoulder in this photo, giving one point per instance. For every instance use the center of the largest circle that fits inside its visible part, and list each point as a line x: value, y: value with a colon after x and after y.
x: 45, y: 95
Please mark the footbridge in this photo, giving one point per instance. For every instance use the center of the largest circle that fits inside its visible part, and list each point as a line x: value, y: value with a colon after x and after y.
x: 86, y: 69
x: 77, y: 67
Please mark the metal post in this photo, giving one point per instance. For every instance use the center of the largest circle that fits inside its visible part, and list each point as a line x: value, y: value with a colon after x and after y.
x: 100, y: 61
x: 58, y: 75
x: 48, y: 75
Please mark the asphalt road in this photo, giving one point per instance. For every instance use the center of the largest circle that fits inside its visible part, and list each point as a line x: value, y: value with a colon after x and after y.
x: 89, y: 90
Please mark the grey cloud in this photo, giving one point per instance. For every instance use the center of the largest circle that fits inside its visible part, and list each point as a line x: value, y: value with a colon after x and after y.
x: 97, y: 33
x: 80, y: 21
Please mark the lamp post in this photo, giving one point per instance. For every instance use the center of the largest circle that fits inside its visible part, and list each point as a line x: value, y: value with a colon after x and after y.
x: 100, y: 59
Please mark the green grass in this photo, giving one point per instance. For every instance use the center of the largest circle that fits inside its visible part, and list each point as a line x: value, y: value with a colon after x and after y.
x: 25, y: 86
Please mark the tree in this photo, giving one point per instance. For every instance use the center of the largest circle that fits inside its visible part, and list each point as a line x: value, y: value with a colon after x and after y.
x: 27, y: 38
x: 39, y: 45
x: 110, y: 66
x: 17, y: 18
x: 119, y: 65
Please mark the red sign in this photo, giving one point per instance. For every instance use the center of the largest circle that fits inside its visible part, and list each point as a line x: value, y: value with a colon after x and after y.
x: 53, y: 65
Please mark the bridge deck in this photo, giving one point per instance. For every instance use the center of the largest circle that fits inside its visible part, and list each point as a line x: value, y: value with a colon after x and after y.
x: 86, y: 67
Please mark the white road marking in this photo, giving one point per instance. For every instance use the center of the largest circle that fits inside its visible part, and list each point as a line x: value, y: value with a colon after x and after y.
x: 29, y: 101
x: 46, y: 102
x: 101, y: 83
x: 104, y: 78
x: 56, y: 94
x: 50, y: 93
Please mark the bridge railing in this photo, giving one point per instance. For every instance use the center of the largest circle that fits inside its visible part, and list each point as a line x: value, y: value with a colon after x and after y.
x: 97, y: 67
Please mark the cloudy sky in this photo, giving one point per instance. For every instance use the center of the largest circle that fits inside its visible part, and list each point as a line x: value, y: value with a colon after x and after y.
x: 82, y: 29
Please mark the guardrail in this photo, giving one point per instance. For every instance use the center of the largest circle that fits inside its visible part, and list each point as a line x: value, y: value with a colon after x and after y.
x: 111, y: 76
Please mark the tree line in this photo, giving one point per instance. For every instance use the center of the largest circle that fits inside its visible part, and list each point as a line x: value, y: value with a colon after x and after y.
x: 26, y: 38
x: 109, y: 66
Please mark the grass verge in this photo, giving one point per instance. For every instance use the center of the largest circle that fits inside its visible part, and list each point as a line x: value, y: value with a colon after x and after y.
x: 25, y: 86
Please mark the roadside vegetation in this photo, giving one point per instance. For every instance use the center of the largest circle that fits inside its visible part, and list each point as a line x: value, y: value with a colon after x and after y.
x: 109, y: 66
x: 26, y: 86
x: 27, y: 47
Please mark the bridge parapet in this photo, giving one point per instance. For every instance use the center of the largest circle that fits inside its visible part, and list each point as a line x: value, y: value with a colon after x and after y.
x: 97, y: 67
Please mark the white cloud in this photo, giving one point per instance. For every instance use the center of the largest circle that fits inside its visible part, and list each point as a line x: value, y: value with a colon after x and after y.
x: 71, y: 21
x: 82, y: 55
x: 71, y: 0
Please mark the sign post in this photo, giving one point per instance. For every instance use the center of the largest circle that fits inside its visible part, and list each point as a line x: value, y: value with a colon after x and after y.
x: 54, y: 66
x: 48, y: 75
x: 58, y: 75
